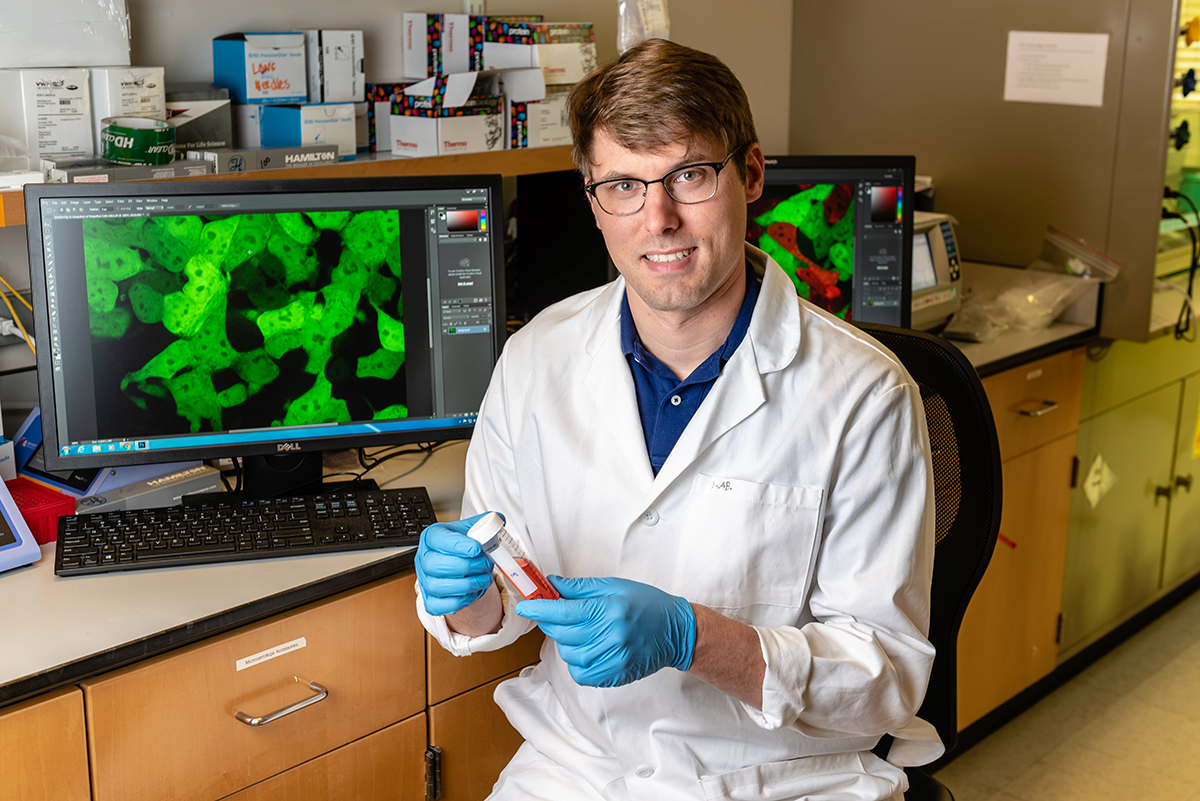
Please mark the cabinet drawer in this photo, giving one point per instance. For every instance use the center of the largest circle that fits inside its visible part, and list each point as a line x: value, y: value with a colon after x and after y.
x: 1037, y: 402
x: 43, y: 754
x: 386, y: 766
x: 476, y: 739
x: 166, y: 728
x: 450, y: 675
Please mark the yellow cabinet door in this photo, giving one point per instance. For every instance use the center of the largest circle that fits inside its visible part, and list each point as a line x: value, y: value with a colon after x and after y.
x: 1115, y: 546
x: 1182, y: 558
x: 43, y: 750
x: 1007, y: 639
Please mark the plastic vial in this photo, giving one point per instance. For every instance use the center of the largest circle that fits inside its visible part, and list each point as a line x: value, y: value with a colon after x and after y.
x: 507, y: 555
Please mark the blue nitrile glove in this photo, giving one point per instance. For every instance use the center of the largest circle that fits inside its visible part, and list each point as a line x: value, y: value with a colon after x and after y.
x: 613, y: 631
x: 452, y: 570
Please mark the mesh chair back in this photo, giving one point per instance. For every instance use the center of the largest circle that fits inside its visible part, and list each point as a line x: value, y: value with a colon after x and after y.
x: 967, y: 498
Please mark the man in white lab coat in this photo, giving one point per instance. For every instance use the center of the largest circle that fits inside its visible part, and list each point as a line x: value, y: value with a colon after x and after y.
x: 729, y: 488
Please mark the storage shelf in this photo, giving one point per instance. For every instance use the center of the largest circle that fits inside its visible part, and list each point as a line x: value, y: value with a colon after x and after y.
x: 509, y: 163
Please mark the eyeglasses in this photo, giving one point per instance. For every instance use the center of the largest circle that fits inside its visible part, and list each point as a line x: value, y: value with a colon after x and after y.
x: 693, y: 183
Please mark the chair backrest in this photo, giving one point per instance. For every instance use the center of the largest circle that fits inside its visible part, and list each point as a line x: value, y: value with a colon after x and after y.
x: 967, y: 497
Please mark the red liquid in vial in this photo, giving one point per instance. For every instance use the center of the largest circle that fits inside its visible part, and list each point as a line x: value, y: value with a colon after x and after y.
x: 542, y: 589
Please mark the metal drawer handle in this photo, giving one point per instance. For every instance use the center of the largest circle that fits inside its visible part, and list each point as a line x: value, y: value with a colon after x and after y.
x: 321, y: 694
x: 1047, y: 407
x: 1184, y: 481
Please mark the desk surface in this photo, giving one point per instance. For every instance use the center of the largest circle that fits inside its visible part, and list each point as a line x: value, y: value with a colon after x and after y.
x: 57, y: 631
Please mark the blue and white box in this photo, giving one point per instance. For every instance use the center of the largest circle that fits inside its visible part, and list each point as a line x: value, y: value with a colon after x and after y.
x: 262, y: 68
x: 310, y: 124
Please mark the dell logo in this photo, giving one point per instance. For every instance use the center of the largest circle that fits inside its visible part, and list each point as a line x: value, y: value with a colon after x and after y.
x: 283, y: 447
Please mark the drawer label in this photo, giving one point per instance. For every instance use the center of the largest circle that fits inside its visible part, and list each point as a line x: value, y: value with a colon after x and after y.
x: 271, y: 653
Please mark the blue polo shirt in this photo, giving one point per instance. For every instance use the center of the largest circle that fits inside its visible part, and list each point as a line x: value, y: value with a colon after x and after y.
x: 665, y: 403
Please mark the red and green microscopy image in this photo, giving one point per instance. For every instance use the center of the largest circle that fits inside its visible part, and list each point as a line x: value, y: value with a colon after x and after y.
x: 215, y: 323
x: 809, y: 230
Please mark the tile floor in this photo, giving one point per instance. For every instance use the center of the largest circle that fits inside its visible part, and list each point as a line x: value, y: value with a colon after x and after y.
x: 1128, y: 728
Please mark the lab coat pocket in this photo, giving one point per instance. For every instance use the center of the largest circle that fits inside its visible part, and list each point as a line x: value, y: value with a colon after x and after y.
x: 828, y: 777
x: 748, y: 547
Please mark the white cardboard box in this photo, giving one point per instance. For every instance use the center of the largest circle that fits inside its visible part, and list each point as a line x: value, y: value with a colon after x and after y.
x: 545, y: 120
x: 63, y: 33
x: 335, y: 66
x: 564, y: 51
x: 247, y: 134
x: 309, y: 124
x: 49, y: 110
x: 261, y: 67
x: 126, y: 92
x: 460, y: 113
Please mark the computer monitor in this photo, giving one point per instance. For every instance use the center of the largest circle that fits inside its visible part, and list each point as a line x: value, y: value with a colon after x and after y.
x: 262, y: 318
x: 842, y: 229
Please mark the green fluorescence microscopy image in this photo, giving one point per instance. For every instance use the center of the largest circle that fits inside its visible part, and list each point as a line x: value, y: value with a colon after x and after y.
x: 215, y: 323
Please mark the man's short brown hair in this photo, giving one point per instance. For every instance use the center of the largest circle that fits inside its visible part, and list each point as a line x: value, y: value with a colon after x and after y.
x: 658, y: 94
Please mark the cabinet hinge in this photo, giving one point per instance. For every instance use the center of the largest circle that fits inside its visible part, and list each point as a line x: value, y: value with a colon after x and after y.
x: 1074, y: 471
x: 433, y: 773
x: 1058, y: 631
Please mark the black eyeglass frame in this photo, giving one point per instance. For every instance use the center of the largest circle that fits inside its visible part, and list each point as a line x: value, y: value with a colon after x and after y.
x: 716, y: 165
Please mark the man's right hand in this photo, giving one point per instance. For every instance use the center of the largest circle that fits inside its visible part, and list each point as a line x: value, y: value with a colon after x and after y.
x: 452, y: 570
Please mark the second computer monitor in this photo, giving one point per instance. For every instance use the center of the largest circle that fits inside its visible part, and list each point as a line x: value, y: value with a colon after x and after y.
x: 842, y: 229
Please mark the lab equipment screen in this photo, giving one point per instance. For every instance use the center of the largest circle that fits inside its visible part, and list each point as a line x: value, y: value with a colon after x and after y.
x: 924, y: 275
x: 841, y: 228
x: 227, y: 318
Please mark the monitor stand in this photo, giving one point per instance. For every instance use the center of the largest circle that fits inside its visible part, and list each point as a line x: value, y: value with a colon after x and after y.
x: 282, y: 474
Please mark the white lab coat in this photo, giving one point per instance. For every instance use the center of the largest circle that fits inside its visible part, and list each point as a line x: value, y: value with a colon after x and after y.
x: 798, y: 500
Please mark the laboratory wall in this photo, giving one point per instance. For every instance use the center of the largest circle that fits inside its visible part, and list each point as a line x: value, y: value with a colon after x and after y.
x: 928, y: 79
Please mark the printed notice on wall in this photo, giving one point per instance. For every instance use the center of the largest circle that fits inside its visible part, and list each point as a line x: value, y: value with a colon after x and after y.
x: 1066, y: 68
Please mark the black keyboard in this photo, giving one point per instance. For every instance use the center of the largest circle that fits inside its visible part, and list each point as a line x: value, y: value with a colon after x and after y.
x: 212, y: 529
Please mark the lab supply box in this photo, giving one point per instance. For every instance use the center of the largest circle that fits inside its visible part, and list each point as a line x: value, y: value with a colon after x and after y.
x: 335, y: 66
x: 309, y: 124
x: 49, y: 110
x: 267, y: 158
x: 564, y: 51
x: 202, y: 117
x: 379, y: 112
x: 126, y: 92
x: 448, y: 114
x: 262, y: 68
x: 540, y: 123
x: 64, y: 33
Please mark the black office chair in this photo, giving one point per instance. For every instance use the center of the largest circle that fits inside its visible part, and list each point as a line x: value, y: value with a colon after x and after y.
x: 967, y: 496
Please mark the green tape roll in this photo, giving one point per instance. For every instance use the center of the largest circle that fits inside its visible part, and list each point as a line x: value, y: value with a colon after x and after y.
x: 136, y: 140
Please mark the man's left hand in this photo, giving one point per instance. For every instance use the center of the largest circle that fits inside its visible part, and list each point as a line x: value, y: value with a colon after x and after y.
x: 613, y: 631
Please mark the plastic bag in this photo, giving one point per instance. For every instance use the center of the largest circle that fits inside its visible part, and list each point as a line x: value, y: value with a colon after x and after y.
x: 1035, y: 298
x: 639, y: 20
x: 13, y: 148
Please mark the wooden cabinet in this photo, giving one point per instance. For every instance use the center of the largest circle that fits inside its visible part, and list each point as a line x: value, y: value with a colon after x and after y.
x: 386, y: 766
x: 475, y: 739
x: 43, y: 755
x: 1008, y: 636
x: 169, y: 727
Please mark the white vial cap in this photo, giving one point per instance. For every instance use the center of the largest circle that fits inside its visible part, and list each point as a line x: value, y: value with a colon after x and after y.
x: 486, y: 528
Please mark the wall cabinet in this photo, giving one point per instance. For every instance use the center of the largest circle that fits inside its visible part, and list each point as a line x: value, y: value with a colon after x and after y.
x: 1137, y: 539
x: 1008, y: 636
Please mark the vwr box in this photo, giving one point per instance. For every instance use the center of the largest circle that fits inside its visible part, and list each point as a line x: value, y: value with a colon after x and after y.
x: 261, y: 67
x: 50, y: 110
x: 126, y: 92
